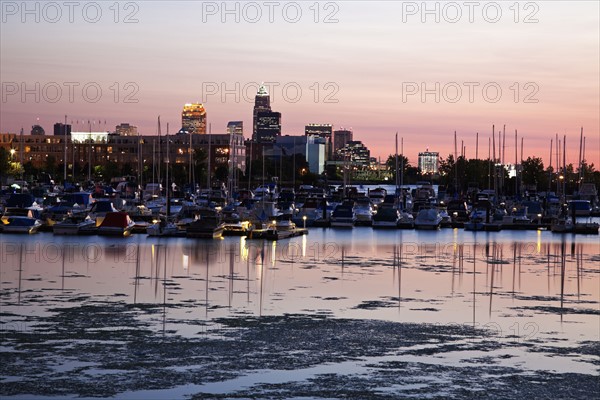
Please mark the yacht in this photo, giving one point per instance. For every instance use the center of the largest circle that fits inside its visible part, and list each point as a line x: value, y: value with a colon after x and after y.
x: 343, y: 216
x: 386, y: 217
x: 363, y: 211
x: 428, y: 218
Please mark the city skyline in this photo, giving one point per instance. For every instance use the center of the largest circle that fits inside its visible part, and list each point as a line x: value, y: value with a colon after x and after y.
x: 396, y: 84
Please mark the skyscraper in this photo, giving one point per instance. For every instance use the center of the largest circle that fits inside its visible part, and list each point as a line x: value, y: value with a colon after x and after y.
x: 340, y: 138
x: 268, y: 126
x: 193, y: 118
x: 428, y: 162
x: 235, y: 127
x: 262, y: 103
x: 324, y: 131
x: 356, y: 152
x: 62, y: 129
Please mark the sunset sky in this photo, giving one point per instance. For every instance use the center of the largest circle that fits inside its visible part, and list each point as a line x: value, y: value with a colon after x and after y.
x: 371, y: 61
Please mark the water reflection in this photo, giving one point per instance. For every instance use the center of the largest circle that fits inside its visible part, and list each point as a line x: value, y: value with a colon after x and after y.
x: 409, y: 280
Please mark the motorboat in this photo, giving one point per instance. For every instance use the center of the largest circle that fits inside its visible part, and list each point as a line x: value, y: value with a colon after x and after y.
x: 428, y: 218
x: 209, y: 225
x: 386, y: 217
x: 100, y: 209
x: 164, y: 228
x: 20, y: 224
x: 283, y: 228
x: 342, y: 216
x: 116, y: 224
x: 377, y: 195
x: 562, y: 225
x: 582, y: 208
x: 363, y: 211
x: 476, y: 220
x: 74, y: 225
x: 407, y: 221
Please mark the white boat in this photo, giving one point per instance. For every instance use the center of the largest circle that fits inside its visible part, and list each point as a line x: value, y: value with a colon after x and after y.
x: 363, y: 211
x: 407, y: 221
x: 73, y: 225
x: 283, y: 228
x: 377, y: 195
x: 428, y: 218
x: 342, y: 217
x: 164, y: 229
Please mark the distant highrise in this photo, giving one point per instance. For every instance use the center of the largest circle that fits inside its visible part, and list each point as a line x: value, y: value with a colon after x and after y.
x: 193, y: 118
x: 262, y: 103
x: 356, y: 152
x: 324, y: 131
x: 340, y: 138
x: 61, y: 129
x: 428, y: 162
x: 125, y: 129
x: 268, y: 126
x: 235, y: 127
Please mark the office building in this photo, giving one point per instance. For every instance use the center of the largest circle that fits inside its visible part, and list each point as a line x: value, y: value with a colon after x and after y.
x: 356, y: 153
x: 268, y: 126
x: 193, y: 119
x: 340, y: 138
x: 428, y: 162
x: 125, y: 129
x: 235, y: 128
x: 61, y: 129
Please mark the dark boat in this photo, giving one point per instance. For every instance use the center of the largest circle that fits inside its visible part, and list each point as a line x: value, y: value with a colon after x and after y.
x: 116, y: 224
x: 209, y: 225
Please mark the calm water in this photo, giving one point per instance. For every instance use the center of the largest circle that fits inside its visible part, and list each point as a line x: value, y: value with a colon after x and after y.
x: 524, y: 285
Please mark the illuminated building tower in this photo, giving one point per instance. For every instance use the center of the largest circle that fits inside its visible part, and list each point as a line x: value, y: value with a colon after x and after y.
x: 340, y: 138
x: 428, y: 162
x: 262, y: 103
x: 268, y: 126
x: 193, y: 118
x: 324, y: 131
x: 125, y: 129
x: 235, y: 127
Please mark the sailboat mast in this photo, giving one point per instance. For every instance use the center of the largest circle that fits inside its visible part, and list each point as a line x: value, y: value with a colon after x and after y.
x: 550, y: 168
x: 209, y: 157
x: 65, y: 157
x: 396, y: 174
x: 401, y: 162
x: 580, y: 155
x: 159, y: 153
x: 167, y: 177
x: 494, y: 158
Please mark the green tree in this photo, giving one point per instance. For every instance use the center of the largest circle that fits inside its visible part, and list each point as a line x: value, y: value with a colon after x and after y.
x: 403, y: 166
x: 50, y: 165
x: 4, y: 164
x: 532, y: 172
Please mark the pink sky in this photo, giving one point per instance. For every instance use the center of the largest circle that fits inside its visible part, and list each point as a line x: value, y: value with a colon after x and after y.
x: 373, y: 52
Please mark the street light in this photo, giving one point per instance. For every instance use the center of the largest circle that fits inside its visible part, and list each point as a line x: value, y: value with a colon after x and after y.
x: 304, y: 221
x: 12, y: 153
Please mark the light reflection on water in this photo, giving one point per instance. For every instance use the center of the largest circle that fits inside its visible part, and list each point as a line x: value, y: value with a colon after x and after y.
x: 523, y: 284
